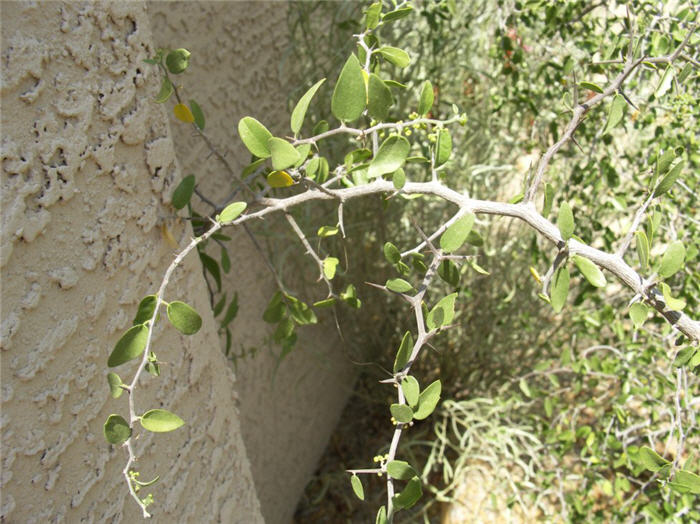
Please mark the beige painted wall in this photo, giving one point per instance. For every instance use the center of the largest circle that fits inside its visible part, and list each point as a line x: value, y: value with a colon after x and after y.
x: 88, y: 164
x: 235, y: 70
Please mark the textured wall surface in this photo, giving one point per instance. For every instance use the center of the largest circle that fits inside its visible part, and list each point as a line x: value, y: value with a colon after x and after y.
x: 87, y: 169
x: 287, y: 412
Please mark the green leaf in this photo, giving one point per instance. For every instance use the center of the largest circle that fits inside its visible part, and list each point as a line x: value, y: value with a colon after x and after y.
x: 252, y: 167
x: 212, y: 266
x: 275, y: 309
x: 115, y: 383
x: 198, y: 114
x: 225, y: 260
x: 642, y: 249
x: 427, y: 401
x: 381, y: 516
x: 396, y: 14
x: 349, y: 96
x: 638, y: 314
x: 116, y: 430
x: 404, y: 352
x: 185, y: 319
x: 443, y: 148
x: 320, y: 128
x: 166, y: 89
x: 617, y: 111
x: 455, y: 235
x: 160, y: 421
x: 673, y: 259
x: 401, y: 412
x: 130, y: 346
x: 398, y: 469
x: 427, y: 97
x: 231, y: 212
x: 177, y: 61
x: 548, y: 199
x: 372, y: 15
x: 684, y: 356
x: 650, y: 459
x: 672, y: 303
x: 449, y: 272
x: 283, y: 153
x: 668, y: 181
x: 301, y: 312
x: 356, y: 484
x: 392, y: 253
x: 665, y: 82
x: 411, y: 390
x: 475, y: 239
x: 349, y: 296
x: 592, y: 272
x: 390, y: 156
x: 685, y: 482
x: 219, y: 306
x: 299, y: 112
x: 396, y: 56
x: 591, y: 87
x: 443, y: 313
x: 565, y: 221
x: 329, y: 266
x: 522, y: 384
x: 398, y: 285
x: 409, y: 495
x: 146, y: 308
x: 380, y: 98
x: 183, y: 192
x: 327, y: 231
x: 560, y: 288
x: 664, y: 161
x: 231, y: 311
x: 399, y: 178
x: 255, y: 136
x: 326, y: 302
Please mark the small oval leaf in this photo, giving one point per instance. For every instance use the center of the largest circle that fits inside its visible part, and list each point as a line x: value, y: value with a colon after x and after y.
x: 183, y: 113
x: 160, y: 421
x: 670, y: 179
x: 565, y: 221
x: 299, y: 112
x: 198, y: 114
x: 185, y: 319
x: 617, y: 111
x: 638, y: 313
x: 401, y: 412
x: 177, y: 61
x: 398, y: 285
x: 116, y: 430
x: 166, y: 89
x: 130, y: 346
x: 396, y: 56
x: 409, y: 495
x: 115, y: 383
x: 390, y: 156
x: 357, y: 488
x: 427, y: 401
x: 592, y: 272
x: 380, y: 98
x: 672, y: 260
x: 350, y: 95
x: 443, y: 148
x: 398, y: 469
x: 255, y: 136
x: 183, y: 192
x: 427, y: 97
x: 278, y: 179
x: 404, y: 352
x: 231, y: 212
x: 391, y: 253
x: 560, y: 288
x: 146, y: 308
x: 411, y: 390
x: 283, y: 153
x: 455, y: 235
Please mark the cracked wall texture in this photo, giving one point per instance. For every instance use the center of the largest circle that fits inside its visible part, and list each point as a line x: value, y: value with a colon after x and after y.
x: 240, y: 66
x: 88, y: 165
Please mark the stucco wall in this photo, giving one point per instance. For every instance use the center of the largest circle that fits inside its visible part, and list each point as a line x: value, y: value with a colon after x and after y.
x: 87, y: 170
x: 88, y: 164
x: 240, y: 66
